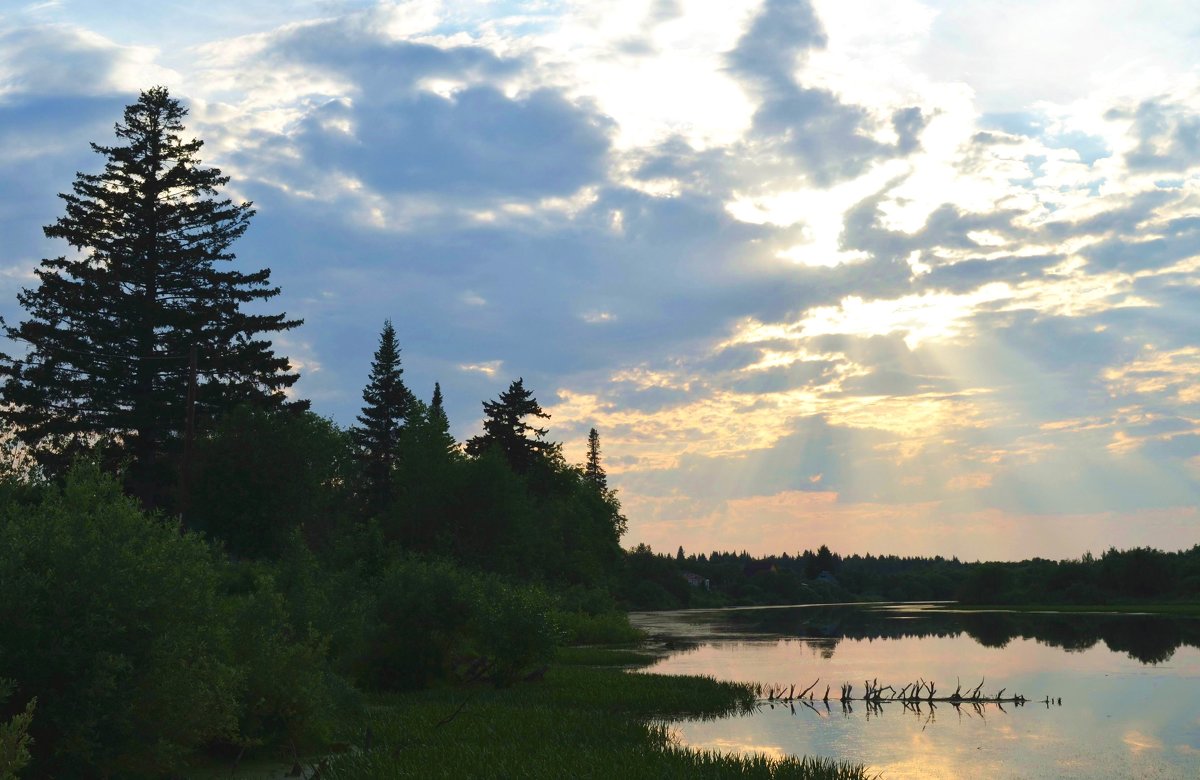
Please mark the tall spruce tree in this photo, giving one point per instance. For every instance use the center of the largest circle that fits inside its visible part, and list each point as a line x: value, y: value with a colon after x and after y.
x: 437, y: 425
x: 505, y: 429
x: 593, y: 471
x: 112, y: 325
x: 387, y: 404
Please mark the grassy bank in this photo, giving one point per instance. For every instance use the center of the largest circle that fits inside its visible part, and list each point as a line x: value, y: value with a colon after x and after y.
x: 581, y: 720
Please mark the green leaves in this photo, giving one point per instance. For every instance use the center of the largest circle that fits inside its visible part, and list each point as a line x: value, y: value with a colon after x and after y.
x: 138, y: 651
x: 14, y: 735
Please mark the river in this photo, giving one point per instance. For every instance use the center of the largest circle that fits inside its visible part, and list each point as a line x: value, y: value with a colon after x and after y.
x: 1129, y: 687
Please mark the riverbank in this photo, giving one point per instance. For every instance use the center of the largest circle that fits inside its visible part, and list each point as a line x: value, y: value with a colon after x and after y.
x: 587, y: 717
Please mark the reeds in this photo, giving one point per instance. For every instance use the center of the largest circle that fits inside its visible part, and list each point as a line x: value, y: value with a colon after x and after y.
x: 581, y: 721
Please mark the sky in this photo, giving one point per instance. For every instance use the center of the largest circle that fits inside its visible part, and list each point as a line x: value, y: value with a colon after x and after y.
x: 893, y: 276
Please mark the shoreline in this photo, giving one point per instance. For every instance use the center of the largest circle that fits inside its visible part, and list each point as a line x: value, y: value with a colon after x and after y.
x: 593, y: 714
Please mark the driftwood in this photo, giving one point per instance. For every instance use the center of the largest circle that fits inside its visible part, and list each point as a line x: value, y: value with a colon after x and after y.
x: 914, y: 693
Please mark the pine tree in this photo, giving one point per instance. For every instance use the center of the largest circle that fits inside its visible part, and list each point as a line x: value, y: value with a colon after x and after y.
x: 505, y: 429
x: 387, y: 404
x: 437, y: 424
x: 592, y: 470
x: 111, y: 326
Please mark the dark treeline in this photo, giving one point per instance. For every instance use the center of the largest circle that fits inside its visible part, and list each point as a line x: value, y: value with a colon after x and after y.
x: 1150, y: 639
x: 192, y: 561
x: 661, y: 581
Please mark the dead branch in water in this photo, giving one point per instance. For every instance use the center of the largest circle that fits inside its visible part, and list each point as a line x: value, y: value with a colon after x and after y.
x: 913, y: 693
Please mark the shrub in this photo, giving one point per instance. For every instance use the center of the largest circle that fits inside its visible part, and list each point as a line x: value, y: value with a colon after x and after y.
x: 514, y: 628
x: 14, y: 736
x: 611, y: 628
x: 116, y: 622
x: 430, y: 616
x: 288, y: 694
x: 417, y: 624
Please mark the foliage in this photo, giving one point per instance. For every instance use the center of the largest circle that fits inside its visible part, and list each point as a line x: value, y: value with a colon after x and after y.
x: 110, y: 329
x: 431, y: 617
x: 260, y: 475
x: 387, y: 404
x: 14, y: 735
x: 428, y: 482
x: 116, y: 622
x: 289, y: 694
x: 610, y: 628
x: 593, y: 470
x: 505, y: 429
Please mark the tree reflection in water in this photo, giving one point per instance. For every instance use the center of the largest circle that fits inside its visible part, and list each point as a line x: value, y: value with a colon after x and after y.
x: 1149, y: 639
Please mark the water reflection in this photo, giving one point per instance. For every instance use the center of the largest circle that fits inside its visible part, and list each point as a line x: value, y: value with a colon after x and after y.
x: 1150, y: 639
x: 1129, y: 685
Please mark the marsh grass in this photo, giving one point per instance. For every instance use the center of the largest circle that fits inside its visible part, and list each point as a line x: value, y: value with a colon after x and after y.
x: 608, y: 628
x: 603, y: 656
x: 579, y: 721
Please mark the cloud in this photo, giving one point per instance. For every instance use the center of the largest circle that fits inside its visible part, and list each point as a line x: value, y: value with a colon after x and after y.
x: 387, y: 117
x: 824, y: 138
x: 1166, y: 136
x: 801, y: 280
x: 59, y: 59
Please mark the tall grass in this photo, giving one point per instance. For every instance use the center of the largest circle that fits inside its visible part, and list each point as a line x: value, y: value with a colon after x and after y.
x: 607, y: 628
x: 579, y: 721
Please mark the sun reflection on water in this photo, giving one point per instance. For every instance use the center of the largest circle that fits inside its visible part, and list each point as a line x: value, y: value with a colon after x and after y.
x: 1120, y: 717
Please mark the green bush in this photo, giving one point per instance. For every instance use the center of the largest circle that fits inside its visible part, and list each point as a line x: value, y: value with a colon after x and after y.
x: 14, y: 736
x: 289, y: 695
x: 514, y: 628
x: 430, y: 617
x: 143, y: 645
x: 611, y: 628
x: 117, y: 623
x: 418, y: 623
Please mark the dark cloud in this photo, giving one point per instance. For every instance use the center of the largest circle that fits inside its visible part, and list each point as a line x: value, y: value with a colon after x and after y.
x: 478, y: 142
x: 380, y: 67
x: 43, y: 142
x: 946, y: 227
x: 1180, y: 241
x: 768, y: 53
x: 1125, y: 218
x: 393, y: 133
x: 964, y: 276
x: 1167, y: 136
x: 55, y: 61
x: 808, y: 129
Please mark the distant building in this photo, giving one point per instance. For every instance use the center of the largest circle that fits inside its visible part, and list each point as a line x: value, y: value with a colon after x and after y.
x: 827, y: 578
x: 696, y: 581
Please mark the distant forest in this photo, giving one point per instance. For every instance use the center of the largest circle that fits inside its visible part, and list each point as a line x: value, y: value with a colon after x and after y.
x: 662, y: 581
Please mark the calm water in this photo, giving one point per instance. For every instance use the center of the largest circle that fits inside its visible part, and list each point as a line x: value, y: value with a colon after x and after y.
x: 1130, y: 688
